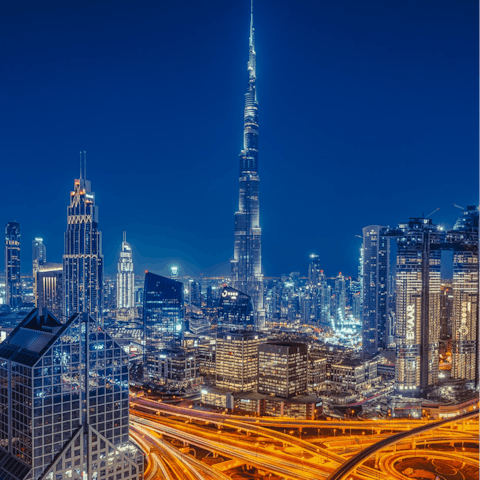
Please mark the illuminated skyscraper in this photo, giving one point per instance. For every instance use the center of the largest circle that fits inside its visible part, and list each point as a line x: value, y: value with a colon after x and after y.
x: 235, y: 311
x: 39, y: 251
x: 465, y: 297
x: 83, y: 259
x: 125, y: 277
x: 376, y: 253
x: 314, y: 270
x: 48, y: 288
x: 64, y: 397
x: 247, y: 262
x: 417, y: 306
x: 13, y: 282
x: 340, y: 300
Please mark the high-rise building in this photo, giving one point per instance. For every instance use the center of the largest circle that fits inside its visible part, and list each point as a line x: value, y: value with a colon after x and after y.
x: 340, y: 300
x: 163, y: 312
x: 235, y: 311
x: 64, y: 396
x: 417, y: 306
x: 247, y: 262
x: 236, y: 361
x: 314, y: 270
x: 376, y: 269
x: 195, y: 293
x: 125, y: 277
x: 13, y: 282
x: 465, y: 297
x: 39, y: 251
x: 282, y: 369
x: 83, y: 259
x: 48, y: 288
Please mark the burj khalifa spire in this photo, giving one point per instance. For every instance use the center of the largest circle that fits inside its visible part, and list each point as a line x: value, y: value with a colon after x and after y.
x: 247, y: 262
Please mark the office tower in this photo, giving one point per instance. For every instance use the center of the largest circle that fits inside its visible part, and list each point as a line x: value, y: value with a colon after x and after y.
x: 83, y: 259
x: 282, y: 369
x: 418, y: 306
x: 163, y: 312
x: 64, y: 417
x: 125, y: 277
x: 376, y: 270
x: 247, y: 262
x: 465, y: 297
x: 13, y: 282
x: 211, y: 299
x: 314, y: 271
x: 48, y: 288
x: 340, y: 300
x: 236, y: 361
x: 195, y: 293
x: 235, y: 311
x: 39, y: 251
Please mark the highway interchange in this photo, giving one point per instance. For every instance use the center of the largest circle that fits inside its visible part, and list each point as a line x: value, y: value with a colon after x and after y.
x: 192, y: 444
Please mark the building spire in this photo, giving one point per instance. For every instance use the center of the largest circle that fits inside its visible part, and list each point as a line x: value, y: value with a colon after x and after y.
x: 252, y: 30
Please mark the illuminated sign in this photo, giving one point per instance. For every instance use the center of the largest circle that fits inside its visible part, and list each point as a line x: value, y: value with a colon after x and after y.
x: 233, y: 295
x: 410, y: 322
x: 463, y: 330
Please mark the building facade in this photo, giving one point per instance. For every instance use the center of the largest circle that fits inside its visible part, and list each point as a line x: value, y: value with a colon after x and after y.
x: 376, y: 269
x: 236, y: 361
x: 125, y: 277
x: 39, y: 252
x: 235, y: 311
x: 418, y: 306
x: 48, y: 288
x: 13, y: 282
x: 64, y: 395
x: 83, y: 258
x: 283, y: 369
x: 163, y: 312
x: 247, y: 263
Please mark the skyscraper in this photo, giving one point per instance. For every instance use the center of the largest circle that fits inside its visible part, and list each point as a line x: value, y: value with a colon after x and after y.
x: 125, y: 277
x: 340, y: 300
x: 235, y: 311
x: 376, y: 254
x: 39, y: 251
x: 314, y: 270
x: 247, y: 262
x: 48, y: 288
x: 418, y: 306
x: 83, y: 259
x: 13, y: 282
x: 64, y: 396
x: 163, y: 312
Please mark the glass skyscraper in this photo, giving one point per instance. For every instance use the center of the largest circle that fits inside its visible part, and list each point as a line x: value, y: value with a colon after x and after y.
x: 83, y: 259
x: 376, y: 268
x: 64, y: 395
x: 39, y: 252
x: 125, y: 277
x: 247, y: 262
x: 163, y: 312
x: 235, y: 311
x: 13, y: 282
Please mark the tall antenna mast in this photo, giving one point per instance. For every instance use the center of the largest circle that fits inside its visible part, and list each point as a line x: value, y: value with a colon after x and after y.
x: 124, y: 236
x: 85, y: 164
x: 80, y: 164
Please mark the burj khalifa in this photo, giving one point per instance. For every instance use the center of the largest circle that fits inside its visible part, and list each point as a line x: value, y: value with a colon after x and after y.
x: 247, y: 262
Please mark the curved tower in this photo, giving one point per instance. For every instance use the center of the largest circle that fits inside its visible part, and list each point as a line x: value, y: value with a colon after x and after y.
x: 247, y: 262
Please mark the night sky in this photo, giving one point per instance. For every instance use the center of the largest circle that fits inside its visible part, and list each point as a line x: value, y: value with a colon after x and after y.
x: 368, y: 115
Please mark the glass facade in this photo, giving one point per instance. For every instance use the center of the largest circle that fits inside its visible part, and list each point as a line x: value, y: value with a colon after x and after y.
x: 235, y: 311
x: 83, y: 259
x: 125, y: 277
x: 163, y: 312
x: 48, y: 288
x: 376, y: 268
x: 13, y: 282
x: 247, y: 262
x: 64, y: 392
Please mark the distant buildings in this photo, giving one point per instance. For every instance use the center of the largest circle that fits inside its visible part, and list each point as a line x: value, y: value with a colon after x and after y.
x: 125, y: 277
x: 39, y: 252
x: 83, y: 258
x: 64, y: 417
x: 376, y: 269
x: 247, y: 263
x: 13, y: 281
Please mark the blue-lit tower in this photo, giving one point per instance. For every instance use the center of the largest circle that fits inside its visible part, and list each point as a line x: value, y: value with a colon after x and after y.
x: 247, y: 262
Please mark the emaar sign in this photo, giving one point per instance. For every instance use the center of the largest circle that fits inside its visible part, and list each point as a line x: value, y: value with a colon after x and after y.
x: 410, y: 322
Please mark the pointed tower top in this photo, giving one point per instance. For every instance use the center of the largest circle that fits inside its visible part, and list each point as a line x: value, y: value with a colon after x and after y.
x: 124, y: 236
x: 252, y: 35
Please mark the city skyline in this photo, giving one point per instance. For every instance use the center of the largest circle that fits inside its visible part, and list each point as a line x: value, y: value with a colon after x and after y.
x: 329, y: 232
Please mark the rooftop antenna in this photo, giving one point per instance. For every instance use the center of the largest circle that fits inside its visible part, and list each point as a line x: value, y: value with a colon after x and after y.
x: 458, y: 206
x: 85, y: 164
x: 430, y: 214
x: 80, y: 164
x: 124, y: 236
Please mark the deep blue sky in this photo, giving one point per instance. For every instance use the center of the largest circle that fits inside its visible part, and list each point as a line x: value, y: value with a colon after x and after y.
x: 368, y: 115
